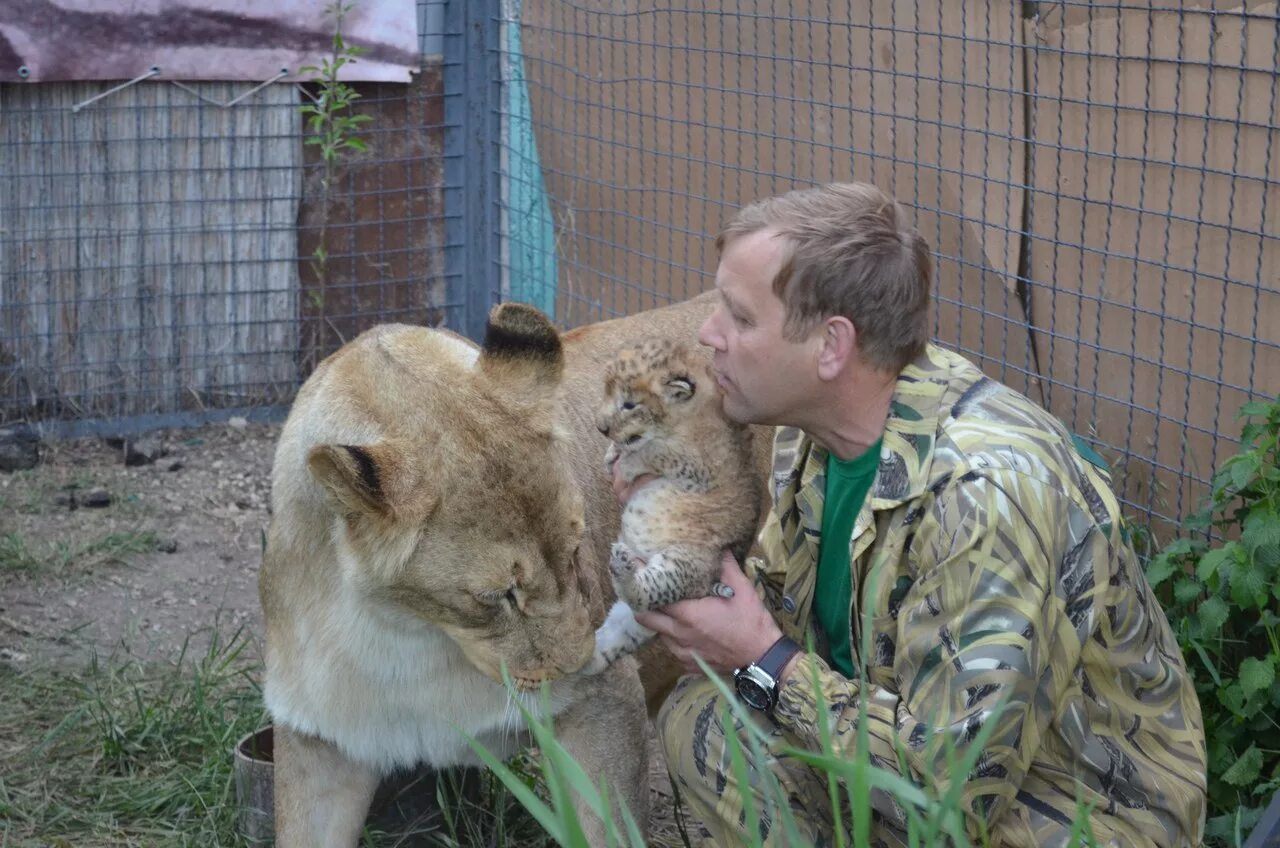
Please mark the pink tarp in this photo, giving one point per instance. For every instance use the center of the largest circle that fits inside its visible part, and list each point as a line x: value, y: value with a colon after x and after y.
x: 43, y: 40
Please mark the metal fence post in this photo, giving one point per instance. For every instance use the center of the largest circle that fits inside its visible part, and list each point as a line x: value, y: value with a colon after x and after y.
x: 472, y: 92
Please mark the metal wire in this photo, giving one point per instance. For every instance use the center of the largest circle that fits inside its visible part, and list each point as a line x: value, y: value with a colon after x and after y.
x: 1094, y: 179
x: 156, y: 242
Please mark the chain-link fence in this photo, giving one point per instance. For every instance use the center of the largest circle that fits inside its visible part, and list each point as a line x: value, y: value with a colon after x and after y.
x: 1095, y: 179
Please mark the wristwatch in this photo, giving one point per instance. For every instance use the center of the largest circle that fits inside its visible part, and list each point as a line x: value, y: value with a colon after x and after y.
x: 757, y: 683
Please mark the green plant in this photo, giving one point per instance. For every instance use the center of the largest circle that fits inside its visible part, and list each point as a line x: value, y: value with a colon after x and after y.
x: 16, y: 556
x: 936, y: 816
x: 1222, y: 598
x: 468, y: 809
x: 333, y: 128
x: 126, y: 753
x: 56, y: 557
x: 561, y: 779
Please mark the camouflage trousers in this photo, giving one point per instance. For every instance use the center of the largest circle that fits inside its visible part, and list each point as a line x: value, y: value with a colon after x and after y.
x: 693, y: 736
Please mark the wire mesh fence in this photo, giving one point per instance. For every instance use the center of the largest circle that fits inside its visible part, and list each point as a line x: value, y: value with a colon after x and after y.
x: 157, y: 245
x: 1095, y: 179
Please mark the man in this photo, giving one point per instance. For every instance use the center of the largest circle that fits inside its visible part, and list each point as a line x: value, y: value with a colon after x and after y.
x: 955, y: 516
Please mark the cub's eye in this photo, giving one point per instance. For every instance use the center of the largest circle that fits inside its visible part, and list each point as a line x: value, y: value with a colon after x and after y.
x: 510, y: 597
x: 628, y: 405
x: 632, y: 439
x: 681, y: 387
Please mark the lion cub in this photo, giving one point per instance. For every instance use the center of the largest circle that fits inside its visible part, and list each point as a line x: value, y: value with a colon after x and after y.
x: 662, y: 414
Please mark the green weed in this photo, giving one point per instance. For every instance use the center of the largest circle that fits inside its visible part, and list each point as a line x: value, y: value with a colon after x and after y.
x: 57, y: 557
x: 935, y: 814
x: 1221, y: 591
x: 123, y: 754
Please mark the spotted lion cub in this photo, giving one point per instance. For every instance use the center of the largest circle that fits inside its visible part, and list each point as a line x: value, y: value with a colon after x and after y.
x: 662, y: 414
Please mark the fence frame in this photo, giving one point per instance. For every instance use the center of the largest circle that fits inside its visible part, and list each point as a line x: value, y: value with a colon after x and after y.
x: 473, y: 90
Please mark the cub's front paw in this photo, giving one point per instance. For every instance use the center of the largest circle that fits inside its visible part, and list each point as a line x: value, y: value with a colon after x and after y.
x: 612, y: 638
x: 623, y: 564
x: 626, y: 567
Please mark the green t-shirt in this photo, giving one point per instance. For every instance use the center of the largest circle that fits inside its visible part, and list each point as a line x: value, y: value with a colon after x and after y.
x: 848, y: 481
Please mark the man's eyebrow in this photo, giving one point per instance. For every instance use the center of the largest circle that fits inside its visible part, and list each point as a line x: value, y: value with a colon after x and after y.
x: 729, y: 301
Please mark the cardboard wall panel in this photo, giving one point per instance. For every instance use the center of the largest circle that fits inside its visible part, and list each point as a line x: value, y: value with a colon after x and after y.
x: 1121, y: 154
x: 1156, y: 297
x: 655, y: 124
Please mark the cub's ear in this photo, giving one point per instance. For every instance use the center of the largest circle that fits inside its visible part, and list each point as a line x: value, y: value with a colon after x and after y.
x: 522, y: 345
x: 371, y: 479
x: 679, y: 387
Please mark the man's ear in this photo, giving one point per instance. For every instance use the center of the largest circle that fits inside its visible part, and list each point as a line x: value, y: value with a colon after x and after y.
x: 372, y: 480
x: 838, y: 346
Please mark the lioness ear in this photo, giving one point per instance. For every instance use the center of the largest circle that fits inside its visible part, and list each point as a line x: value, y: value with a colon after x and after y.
x: 522, y: 345
x: 351, y: 475
x: 370, y: 479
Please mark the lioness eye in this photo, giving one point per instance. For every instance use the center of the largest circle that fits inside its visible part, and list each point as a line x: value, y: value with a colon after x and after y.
x: 498, y: 597
x: 632, y: 439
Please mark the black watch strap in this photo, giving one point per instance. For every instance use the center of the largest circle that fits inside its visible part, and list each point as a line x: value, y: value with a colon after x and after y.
x: 777, y: 657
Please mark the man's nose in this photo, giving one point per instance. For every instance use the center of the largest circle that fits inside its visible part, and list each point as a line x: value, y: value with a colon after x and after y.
x: 708, y: 334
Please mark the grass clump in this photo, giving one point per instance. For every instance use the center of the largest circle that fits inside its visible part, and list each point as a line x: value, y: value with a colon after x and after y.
x: 466, y: 808
x: 123, y: 754
x: 20, y: 556
x: 16, y: 556
x: 935, y: 814
x: 126, y: 753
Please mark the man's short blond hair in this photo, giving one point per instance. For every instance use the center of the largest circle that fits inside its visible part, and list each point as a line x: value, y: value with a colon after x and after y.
x: 849, y: 253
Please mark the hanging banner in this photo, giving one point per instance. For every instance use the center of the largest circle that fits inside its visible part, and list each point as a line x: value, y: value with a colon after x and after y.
x: 63, y: 40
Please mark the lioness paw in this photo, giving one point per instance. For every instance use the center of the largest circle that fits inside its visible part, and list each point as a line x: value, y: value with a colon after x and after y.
x: 598, y: 663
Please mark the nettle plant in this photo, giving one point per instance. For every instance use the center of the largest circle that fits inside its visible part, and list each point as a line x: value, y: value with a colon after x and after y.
x: 1223, y: 600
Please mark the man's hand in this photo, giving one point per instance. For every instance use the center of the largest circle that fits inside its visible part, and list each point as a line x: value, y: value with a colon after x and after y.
x: 726, y: 632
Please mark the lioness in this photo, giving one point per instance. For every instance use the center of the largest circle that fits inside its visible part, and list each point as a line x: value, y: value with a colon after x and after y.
x: 440, y: 509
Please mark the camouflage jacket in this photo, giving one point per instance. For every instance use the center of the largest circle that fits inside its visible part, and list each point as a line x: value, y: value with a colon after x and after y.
x: 990, y: 564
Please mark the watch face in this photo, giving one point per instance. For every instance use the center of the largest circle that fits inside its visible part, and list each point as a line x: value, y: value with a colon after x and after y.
x: 752, y: 693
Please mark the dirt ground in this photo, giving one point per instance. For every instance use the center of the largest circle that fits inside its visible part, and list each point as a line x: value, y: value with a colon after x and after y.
x: 175, y: 551
x: 173, y: 554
